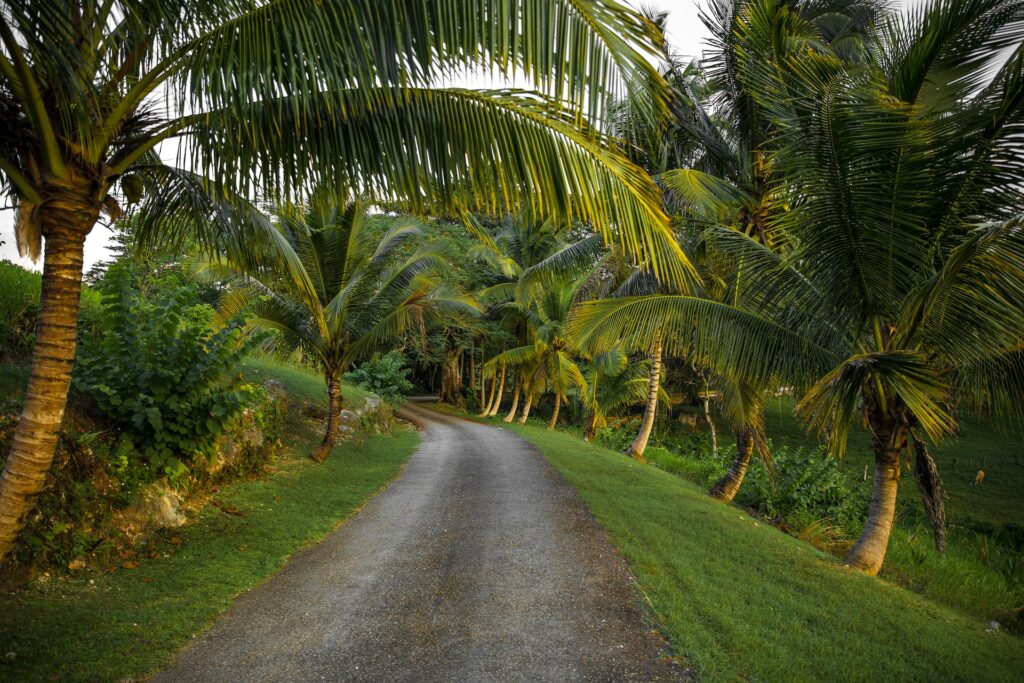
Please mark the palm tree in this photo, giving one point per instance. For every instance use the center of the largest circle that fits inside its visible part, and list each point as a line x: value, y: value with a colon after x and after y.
x: 525, y: 252
x: 905, y: 292
x: 613, y: 384
x: 912, y: 245
x: 274, y: 97
x: 336, y: 288
x: 548, y: 361
x: 708, y: 152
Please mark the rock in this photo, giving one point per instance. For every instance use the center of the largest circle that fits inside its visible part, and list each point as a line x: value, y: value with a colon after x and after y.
x: 278, y: 394
x: 993, y: 626
x: 157, y: 506
x: 347, y: 417
x: 243, y: 434
x: 372, y: 403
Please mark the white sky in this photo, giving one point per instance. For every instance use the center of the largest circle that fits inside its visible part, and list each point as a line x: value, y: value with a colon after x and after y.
x: 685, y: 32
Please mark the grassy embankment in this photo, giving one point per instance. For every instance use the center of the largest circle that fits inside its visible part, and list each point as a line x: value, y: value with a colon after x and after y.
x: 740, y: 600
x: 127, y: 623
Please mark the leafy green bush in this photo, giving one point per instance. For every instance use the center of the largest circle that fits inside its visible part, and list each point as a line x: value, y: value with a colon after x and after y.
x: 158, y: 371
x: 387, y: 376
x: 619, y: 433
x: 806, y: 487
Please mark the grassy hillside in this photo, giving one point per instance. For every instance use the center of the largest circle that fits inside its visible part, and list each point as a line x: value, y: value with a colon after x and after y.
x: 740, y: 600
x: 96, y: 627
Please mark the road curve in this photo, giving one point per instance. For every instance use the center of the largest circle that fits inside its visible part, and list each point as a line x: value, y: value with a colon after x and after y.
x: 479, y: 563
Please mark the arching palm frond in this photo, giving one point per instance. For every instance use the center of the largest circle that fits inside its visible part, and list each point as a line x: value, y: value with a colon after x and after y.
x: 724, y: 337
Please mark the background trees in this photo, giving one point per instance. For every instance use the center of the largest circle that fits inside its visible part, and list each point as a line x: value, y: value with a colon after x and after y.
x: 336, y: 287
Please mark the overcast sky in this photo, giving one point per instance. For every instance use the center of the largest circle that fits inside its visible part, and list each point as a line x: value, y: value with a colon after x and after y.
x: 686, y: 34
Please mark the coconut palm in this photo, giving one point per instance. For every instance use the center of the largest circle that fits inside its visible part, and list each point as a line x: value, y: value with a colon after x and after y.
x: 548, y: 361
x: 708, y: 152
x: 905, y: 293
x: 337, y: 288
x: 275, y: 96
x: 525, y: 253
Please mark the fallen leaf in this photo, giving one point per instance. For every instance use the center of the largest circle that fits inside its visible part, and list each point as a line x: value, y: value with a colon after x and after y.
x: 130, y: 565
x: 176, y: 540
x: 75, y: 565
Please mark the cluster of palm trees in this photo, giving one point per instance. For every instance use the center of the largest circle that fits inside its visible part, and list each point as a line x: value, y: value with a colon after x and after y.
x: 830, y: 200
x: 847, y: 184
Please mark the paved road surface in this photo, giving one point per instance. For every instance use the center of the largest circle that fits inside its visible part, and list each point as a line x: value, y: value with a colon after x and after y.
x: 478, y: 564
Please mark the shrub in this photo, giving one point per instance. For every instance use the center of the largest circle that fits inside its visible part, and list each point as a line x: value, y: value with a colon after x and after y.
x: 158, y: 372
x: 805, y: 488
x: 387, y: 376
x: 619, y: 433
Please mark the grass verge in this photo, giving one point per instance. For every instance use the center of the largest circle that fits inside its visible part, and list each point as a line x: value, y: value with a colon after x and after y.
x: 740, y: 601
x: 128, y: 623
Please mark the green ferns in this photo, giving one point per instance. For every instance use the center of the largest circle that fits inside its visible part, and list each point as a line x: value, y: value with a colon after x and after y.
x: 159, y: 372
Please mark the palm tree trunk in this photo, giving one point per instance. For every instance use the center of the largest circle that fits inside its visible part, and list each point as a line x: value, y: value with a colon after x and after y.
x: 888, y: 441
x: 554, y: 415
x: 333, y: 413
x: 64, y: 223
x: 639, y: 445
x: 472, y: 370
x: 490, y: 401
x: 728, y: 486
x: 711, y: 422
x: 591, y: 431
x: 501, y: 390
x: 526, y: 409
x: 516, y: 391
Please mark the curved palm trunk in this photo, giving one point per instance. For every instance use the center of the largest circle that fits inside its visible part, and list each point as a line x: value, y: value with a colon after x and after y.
x: 490, y: 400
x: 888, y: 441
x: 711, y: 422
x: 472, y: 376
x: 526, y: 409
x: 591, y: 431
x: 497, y: 401
x: 65, y: 224
x: 728, y: 486
x: 333, y: 413
x: 516, y: 391
x: 554, y: 415
x: 639, y: 445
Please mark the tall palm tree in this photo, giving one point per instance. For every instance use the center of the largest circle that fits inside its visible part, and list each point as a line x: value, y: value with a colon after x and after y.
x: 708, y: 151
x: 273, y: 97
x: 905, y: 187
x: 336, y: 288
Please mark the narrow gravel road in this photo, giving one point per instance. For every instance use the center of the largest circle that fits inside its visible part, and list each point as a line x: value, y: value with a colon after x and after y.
x: 479, y: 563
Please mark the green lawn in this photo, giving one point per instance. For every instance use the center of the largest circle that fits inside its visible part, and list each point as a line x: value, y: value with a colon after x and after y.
x: 125, y: 624
x: 742, y: 601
